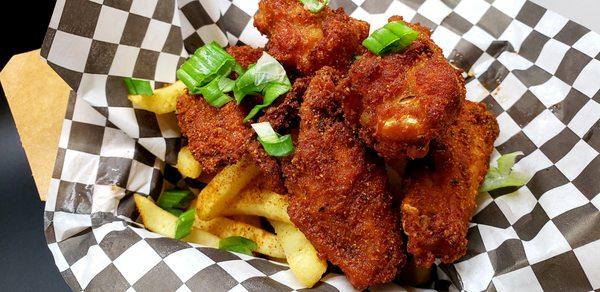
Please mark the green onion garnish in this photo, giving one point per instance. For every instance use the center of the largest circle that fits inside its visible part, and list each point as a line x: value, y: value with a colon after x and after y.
x: 214, y: 92
x: 392, y: 37
x: 185, y: 223
x: 176, y: 212
x: 267, y: 77
x: 174, y: 199
x: 207, y: 63
x: 270, y: 93
x: 502, y: 176
x: 273, y: 143
x: 314, y: 6
x: 238, y: 244
x: 244, y: 85
x: 138, y: 87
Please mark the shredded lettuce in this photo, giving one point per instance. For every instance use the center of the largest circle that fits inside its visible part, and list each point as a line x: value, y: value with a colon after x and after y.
x: 502, y: 175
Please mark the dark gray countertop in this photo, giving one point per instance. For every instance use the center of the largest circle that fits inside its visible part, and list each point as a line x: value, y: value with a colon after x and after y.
x: 25, y: 261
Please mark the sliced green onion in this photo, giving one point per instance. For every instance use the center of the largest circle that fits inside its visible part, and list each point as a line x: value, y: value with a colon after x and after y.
x: 185, y: 223
x: 176, y: 212
x: 270, y: 93
x: 214, y: 92
x: 238, y: 69
x: 238, y: 244
x: 221, y: 100
x: 244, y: 85
x: 174, y: 199
x: 503, y: 176
x: 207, y: 63
x: 267, y: 77
x: 138, y: 87
x: 226, y: 84
x: 268, y: 69
x: 273, y: 143
x: 314, y: 6
x: 392, y: 37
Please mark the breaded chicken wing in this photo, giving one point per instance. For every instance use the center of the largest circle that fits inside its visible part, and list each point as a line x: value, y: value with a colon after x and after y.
x: 338, y: 193
x: 403, y: 100
x: 218, y: 137
x: 214, y: 134
x: 440, y: 189
x: 307, y: 41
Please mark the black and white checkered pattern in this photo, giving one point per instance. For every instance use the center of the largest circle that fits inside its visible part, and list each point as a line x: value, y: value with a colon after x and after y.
x: 537, y: 71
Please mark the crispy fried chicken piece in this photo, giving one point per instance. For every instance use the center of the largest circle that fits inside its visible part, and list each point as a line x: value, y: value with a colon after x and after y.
x: 307, y: 41
x: 245, y: 55
x: 403, y: 100
x: 215, y: 135
x: 218, y: 137
x: 440, y: 189
x: 283, y: 113
x: 338, y: 193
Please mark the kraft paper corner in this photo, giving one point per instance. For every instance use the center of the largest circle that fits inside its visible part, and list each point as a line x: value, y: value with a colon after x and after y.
x: 37, y: 98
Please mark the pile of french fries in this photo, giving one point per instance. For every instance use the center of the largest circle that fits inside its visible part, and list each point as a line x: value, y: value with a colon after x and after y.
x: 232, y: 204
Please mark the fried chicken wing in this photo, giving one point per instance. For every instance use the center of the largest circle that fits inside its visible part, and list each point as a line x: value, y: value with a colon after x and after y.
x: 307, y: 41
x: 440, y: 189
x: 338, y: 193
x: 218, y: 137
x: 214, y: 134
x: 403, y: 100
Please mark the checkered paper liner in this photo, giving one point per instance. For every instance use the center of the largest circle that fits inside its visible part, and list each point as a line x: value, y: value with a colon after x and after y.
x: 537, y: 71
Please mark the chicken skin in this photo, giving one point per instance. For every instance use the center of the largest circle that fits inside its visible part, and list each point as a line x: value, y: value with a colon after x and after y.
x: 339, y: 196
x: 403, y: 100
x: 306, y: 41
x: 440, y: 189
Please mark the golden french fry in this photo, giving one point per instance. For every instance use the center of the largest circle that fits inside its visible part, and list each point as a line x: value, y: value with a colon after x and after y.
x: 250, y: 220
x: 224, y: 187
x: 154, y: 218
x: 268, y: 243
x: 257, y: 202
x: 162, y: 101
x: 301, y: 255
x: 187, y: 164
x: 203, y: 238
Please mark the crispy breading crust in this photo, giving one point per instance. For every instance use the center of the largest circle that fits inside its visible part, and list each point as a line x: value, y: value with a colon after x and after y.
x: 283, y: 113
x: 307, y: 41
x: 218, y: 137
x: 402, y: 100
x: 245, y: 55
x: 215, y: 135
x: 440, y: 190
x: 339, y: 196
